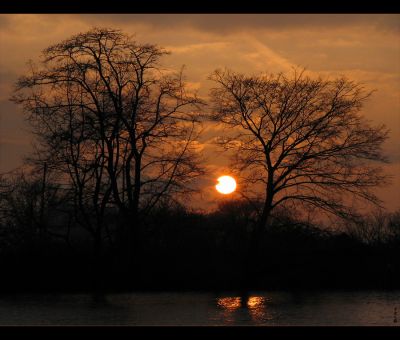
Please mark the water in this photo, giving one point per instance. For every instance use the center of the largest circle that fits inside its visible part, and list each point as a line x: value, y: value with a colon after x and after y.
x: 366, y: 308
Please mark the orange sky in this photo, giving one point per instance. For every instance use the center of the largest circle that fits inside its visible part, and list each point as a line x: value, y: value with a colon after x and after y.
x: 366, y: 48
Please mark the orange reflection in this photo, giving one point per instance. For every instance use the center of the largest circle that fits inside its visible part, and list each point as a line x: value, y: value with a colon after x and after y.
x: 255, y: 301
x: 237, y: 308
x: 230, y: 303
x: 256, y: 307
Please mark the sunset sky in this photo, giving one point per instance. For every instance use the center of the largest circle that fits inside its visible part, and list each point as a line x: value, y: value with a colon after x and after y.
x: 366, y: 48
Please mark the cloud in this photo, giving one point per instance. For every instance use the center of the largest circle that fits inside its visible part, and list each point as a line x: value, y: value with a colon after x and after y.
x: 364, y: 47
x: 193, y: 48
x: 234, y: 23
x: 4, y: 21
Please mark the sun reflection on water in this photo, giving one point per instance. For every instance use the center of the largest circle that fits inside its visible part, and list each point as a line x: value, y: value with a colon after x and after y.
x: 244, y: 307
x: 255, y: 301
x: 230, y: 303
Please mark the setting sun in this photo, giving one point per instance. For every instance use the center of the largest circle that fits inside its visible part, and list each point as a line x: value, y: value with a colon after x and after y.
x: 226, y: 185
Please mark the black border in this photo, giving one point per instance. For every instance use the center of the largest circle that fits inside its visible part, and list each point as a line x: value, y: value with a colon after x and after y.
x: 246, y: 332
x: 198, y: 6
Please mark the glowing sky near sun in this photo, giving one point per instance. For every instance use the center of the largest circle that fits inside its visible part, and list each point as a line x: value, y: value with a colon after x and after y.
x: 366, y: 48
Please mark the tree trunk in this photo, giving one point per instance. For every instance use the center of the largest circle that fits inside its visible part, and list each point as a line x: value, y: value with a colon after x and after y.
x: 128, y: 246
x: 269, y: 196
x: 134, y: 223
x: 97, y: 282
x: 42, y: 223
x: 253, y: 245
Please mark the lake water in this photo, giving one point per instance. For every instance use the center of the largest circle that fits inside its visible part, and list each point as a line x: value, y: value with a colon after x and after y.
x: 327, y: 308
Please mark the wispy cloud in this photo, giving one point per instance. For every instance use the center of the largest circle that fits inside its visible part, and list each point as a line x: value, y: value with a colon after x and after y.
x: 364, y: 47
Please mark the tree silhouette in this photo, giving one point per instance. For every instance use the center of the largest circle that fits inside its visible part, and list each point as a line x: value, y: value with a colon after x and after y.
x: 114, y: 126
x: 30, y: 204
x: 300, y: 140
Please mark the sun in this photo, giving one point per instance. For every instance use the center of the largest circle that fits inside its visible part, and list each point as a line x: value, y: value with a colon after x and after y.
x: 226, y: 185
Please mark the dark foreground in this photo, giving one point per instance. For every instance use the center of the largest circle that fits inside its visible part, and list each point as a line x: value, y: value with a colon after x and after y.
x: 278, y: 308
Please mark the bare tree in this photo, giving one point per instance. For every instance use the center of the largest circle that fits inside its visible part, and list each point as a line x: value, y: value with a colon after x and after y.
x: 116, y: 127
x: 375, y: 228
x: 30, y: 204
x: 300, y: 140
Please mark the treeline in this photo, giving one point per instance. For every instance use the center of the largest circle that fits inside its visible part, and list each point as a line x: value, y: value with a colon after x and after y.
x: 44, y: 248
x: 117, y: 149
